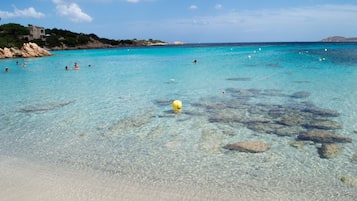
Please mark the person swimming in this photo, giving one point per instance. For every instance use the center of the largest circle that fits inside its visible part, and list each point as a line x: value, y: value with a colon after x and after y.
x: 6, y: 69
x: 67, y: 68
x: 76, y: 67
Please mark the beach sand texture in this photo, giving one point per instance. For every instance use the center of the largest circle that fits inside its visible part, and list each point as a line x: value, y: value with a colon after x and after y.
x: 25, y: 181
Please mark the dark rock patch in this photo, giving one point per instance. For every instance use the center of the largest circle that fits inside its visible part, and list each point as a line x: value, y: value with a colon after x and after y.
x: 329, y: 150
x: 321, y: 112
x: 46, y: 106
x: 251, y: 147
x: 270, y: 111
x: 300, y: 94
x: 322, y: 136
x: 163, y: 102
x: 323, y: 124
x: 239, y: 79
x: 294, y: 120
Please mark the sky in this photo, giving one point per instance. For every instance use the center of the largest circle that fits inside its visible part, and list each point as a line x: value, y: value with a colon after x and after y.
x: 190, y: 21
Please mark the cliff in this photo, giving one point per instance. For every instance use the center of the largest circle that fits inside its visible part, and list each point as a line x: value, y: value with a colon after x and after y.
x: 27, y: 50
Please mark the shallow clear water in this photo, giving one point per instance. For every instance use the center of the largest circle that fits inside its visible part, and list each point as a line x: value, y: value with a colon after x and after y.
x: 114, y: 115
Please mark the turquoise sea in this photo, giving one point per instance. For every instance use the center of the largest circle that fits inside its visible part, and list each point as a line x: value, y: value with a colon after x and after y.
x: 113, y: 118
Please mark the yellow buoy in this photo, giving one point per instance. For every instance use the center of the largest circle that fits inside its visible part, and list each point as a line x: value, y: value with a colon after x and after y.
x: 177, y: 106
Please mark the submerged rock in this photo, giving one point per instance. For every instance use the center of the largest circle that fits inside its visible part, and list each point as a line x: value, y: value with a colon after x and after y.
x: 354, y: 158
x: 300, y: 144
x: 287, y: 131
x: 322, y: 136
x: 163, y: 102
x: 329, y: 150
x: 348, y: 180
x: 300, y: 94
x: 273, y: 92
x: 239, y: 79
x: 211, y: 140
x: 251, y: 147
x: 323, y: 124
x: 137, y: 121
x: 294, y: 120
x: 321, y: 112
x: 271, y: 111
x: 263, y: 127
x: 46, y: 106
x: 238, y: 92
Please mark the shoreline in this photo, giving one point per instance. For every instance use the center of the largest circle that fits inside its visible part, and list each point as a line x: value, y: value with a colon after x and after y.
x: 24, y: 180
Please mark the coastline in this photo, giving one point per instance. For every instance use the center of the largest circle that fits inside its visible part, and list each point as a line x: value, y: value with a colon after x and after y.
x: 28, y: 50
x: 25, y: 180
x: 31, y: 50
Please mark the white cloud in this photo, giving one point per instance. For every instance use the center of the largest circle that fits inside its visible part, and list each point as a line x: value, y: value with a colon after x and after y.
x: 72, y: 11
x: 133, y: 1
x: 57, y: 1
x: 193, y: 7
x: 218, y: 6
x: 27, y: 12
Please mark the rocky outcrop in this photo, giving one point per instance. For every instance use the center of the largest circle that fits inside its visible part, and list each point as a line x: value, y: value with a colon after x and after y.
x: 28, y: 50
x: 251, y: 147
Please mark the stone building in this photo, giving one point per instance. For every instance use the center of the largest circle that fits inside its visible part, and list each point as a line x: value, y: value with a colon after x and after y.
x: 36, y: 32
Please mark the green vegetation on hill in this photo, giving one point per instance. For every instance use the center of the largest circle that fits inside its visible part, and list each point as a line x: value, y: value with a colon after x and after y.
x: 12, y: 35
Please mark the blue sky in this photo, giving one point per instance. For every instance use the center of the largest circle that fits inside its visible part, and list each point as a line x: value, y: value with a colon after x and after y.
x: 193, y: 21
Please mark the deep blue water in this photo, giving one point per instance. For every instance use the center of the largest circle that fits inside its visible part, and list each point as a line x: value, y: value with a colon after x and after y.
x: 114, y: 115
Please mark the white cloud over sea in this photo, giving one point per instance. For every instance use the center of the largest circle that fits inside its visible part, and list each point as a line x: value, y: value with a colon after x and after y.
x: 72, y: 11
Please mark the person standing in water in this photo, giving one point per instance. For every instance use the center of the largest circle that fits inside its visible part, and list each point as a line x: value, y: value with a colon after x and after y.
x: 76, y: 67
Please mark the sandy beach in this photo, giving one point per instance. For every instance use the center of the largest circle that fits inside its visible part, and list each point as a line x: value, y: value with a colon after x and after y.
x: 22, y: 180
x: 25, y: 181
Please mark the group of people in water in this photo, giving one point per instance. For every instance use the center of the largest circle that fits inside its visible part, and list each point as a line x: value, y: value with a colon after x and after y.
x: 7, y: 69
x: 76, y: 67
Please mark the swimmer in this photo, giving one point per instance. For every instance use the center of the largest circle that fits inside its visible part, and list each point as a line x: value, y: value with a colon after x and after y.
x: 67, y: 68
x: 6, y: 69
x: 76, y: 67
x: 195, y: 61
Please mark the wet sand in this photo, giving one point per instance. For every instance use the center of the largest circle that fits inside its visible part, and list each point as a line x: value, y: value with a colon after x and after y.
x: 25, y: 181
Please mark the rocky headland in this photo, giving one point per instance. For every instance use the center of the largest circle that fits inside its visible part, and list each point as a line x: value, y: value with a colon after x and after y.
x: 27, y: 50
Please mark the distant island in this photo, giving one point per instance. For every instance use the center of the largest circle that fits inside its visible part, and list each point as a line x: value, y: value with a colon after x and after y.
x: 339, y: 39
x: 15, y: 35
